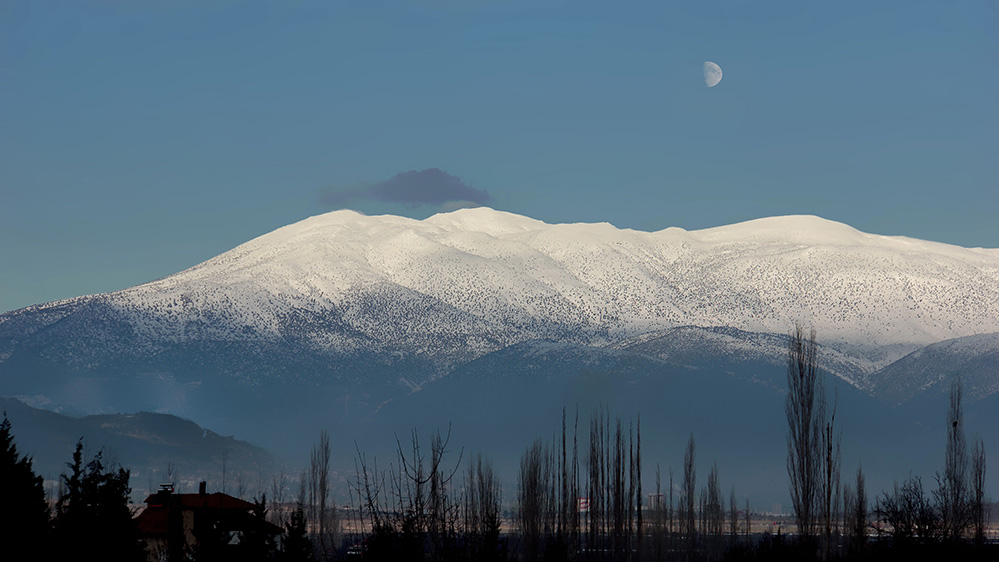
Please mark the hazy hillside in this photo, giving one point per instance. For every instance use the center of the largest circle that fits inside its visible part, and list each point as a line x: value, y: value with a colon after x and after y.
x: 144, y: 442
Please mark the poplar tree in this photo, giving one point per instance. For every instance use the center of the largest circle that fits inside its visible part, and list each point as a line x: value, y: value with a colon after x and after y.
x: 805, y: 429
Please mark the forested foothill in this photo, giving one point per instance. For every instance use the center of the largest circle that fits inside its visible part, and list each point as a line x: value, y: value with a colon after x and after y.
x: 584, y: 492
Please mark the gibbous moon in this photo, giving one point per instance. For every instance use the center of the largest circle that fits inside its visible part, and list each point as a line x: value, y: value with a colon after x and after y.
x: 712, y: 74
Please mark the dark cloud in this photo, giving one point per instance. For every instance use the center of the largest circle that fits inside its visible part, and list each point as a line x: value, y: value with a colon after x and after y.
x: 413, y: 188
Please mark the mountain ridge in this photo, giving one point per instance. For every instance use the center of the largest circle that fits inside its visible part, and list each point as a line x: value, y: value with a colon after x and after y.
x: 555, y: 264
x: 345, y: 301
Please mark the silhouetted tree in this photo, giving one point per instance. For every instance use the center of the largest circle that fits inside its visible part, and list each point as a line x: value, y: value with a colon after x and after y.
x: 636, y: 478
x: 24, y: 518
x: 714, y: 512
x: 908, y: 513
x: 802, y: 408
x: 297, y: 546
x: 532, y: 499
x: 978, y: 502
x: 657, y: 522
x: 829, y: 471
x: 411, y: 512
x: 733, y: 519
x: 93, y: 519
x: 688, y: 499
x: 482, y: 512
x: 672, y: 516
x: 857, y: 508
x: 749, y: 524
x: 952, y: 485
x: 321, y: 513
x: 279, y: 489
x: 595, y: 469
x: 618, y: 503
x: 256, y: 541
x: 443, y: 509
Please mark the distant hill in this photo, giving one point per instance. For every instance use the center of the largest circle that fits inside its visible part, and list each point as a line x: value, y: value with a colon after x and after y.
x: 146, y: 443
x: 930, y: 370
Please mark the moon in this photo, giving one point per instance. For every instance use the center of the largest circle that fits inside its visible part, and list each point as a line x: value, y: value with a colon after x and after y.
x: 712, y: 74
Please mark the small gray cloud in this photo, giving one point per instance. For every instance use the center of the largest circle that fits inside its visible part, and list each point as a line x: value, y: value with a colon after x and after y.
x: 427, y: 187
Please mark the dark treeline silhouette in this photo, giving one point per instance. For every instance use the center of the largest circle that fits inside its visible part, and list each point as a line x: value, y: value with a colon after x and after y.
x: 579, y: 496
x: 91, y: 518
x: 587, y: 503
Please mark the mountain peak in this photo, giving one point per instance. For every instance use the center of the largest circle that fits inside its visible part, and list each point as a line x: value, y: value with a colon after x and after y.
x: 801, y: 229
x: 486, y: 220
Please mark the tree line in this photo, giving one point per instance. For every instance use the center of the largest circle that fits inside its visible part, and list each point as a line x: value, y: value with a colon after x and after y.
x: 91, y: 515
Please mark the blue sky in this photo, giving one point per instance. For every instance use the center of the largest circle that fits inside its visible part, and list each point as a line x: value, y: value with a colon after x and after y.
x: 138, y: 138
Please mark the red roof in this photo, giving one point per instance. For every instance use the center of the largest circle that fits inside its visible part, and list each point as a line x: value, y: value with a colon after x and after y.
x: 218, y: 500
x: 152, y: 522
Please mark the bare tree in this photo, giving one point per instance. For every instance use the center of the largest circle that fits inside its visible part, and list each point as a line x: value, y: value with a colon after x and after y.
x: 804, y: 429
x: 636, y: 478
x: 978, y: 502
x: 225, y: 468
x: 830, y: 471
x: 575, y: 539
x: 688, y: 499
x: 565, y: 507
x: 443, y: 516
x: 321, y: 513
x: 671, y: 514
x: 532, y: 499
x: 279, y: 488
x: 749, y: 525
x: 242, y: 486
x: 702, y: 513
x: 908, y: 512
x: 616, y: 505
x: 848, y: 501
x: 952, y: 485
x: 595, y: 488
x: 714, y: 513
x: 733, y: 518
x: 412, y: 508
x: 482, y: 510
x: 658, y: 520
x: 858, y: 515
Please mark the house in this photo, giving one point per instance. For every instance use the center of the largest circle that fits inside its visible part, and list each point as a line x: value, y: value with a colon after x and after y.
x: 175, y: 525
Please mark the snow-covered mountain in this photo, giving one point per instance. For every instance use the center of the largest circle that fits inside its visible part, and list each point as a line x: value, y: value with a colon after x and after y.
x: 372, y: 325
x: 338, y: 318
x: 476, y: 279
x: 458, y: 285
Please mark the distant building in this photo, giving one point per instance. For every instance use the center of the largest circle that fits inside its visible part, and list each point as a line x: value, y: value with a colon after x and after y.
x: 176, y: 525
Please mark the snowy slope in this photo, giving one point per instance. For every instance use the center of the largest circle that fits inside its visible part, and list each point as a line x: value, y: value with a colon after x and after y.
x: 930, y: 370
